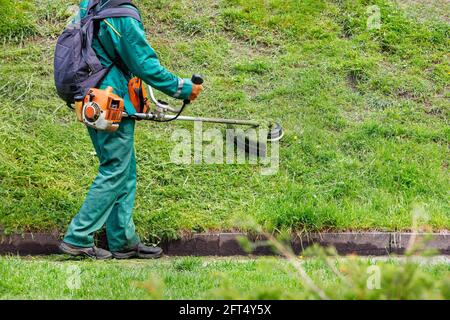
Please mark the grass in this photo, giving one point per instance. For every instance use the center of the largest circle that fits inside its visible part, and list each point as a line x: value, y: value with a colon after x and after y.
x: 173, y: 278
x: 15, y: 23
x: 365, y: 113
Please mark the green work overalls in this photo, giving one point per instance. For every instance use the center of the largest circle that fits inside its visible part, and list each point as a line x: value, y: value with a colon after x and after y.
x: 110, y: 199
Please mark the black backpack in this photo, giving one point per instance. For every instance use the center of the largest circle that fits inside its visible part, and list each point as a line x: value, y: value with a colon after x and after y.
x: 76, y: 66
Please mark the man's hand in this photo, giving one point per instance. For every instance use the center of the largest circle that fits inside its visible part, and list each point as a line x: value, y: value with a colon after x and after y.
x: 196, y: 89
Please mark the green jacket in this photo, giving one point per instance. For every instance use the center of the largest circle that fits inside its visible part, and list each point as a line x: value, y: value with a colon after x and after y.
x: 125, y: 38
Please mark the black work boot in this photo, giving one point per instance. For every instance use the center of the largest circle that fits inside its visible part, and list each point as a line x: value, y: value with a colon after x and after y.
x: 139, y: 251
x: 92, y: 252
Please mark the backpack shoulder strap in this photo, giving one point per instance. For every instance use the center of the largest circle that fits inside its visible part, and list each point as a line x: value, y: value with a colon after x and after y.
x: 91, y: 5
x: 118, y: 12
x: 114, y: 9
x: 106, y: 4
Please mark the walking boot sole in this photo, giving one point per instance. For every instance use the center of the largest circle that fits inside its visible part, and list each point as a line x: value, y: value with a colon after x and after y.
x: 134, y: 254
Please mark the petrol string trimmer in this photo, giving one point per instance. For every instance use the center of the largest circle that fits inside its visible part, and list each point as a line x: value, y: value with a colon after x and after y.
x: 103, y: 110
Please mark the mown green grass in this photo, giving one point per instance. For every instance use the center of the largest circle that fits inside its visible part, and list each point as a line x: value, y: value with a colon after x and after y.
x: 180, y: 278
x: 15, y: 23
x: 365, y: 113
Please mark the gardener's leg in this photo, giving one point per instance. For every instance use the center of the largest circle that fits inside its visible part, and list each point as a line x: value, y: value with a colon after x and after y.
x: 120, y: 228
x: 115, y: 151
x: 123, y: 241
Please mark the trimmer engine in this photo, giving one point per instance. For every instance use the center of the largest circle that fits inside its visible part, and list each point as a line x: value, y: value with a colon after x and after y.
x: 100, y: 109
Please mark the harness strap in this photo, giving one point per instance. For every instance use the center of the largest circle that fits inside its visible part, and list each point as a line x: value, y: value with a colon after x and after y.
x: 116, y: 13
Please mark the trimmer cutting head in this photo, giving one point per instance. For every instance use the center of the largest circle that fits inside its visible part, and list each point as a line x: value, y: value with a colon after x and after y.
x: 276, y: 132
x: 256, y: 147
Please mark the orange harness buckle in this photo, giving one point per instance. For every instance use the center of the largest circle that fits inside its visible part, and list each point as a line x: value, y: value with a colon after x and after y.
x: 138, y: 95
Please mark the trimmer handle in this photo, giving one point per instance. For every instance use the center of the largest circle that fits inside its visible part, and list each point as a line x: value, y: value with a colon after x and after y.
x: 196, y: 79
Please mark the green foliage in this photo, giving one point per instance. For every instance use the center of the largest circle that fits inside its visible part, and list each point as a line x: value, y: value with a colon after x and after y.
x: 352, y: 278
x: 398, y: 280
x: 187, y: 264
x: 264, y: 278
x: 349, y: 278
x: 52, y: 16
x: 365, y: 113
x: 15, y: 20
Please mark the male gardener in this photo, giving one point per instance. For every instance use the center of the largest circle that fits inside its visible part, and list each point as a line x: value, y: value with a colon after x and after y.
x: 121, y: 44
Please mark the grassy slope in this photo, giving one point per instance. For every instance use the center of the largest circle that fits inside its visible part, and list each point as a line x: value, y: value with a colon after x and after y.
x: 181, y: 278
x: 15, y: 24
x: 366, y: 115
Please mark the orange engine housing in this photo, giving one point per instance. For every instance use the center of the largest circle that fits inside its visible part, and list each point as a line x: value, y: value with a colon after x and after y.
x: 101, y: 109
